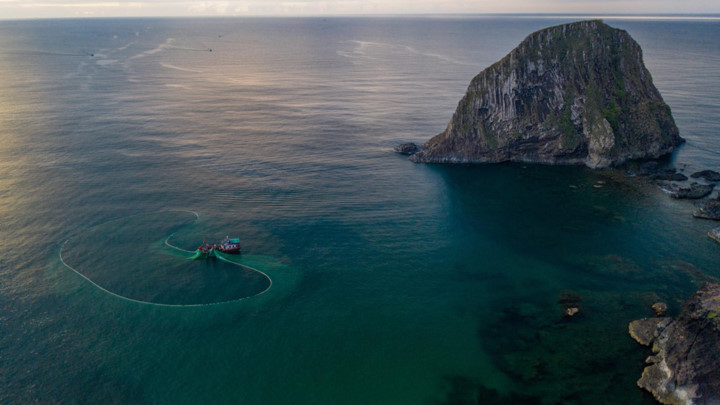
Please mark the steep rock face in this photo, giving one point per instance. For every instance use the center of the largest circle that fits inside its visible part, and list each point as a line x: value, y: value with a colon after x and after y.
x: 572, y: 94
x: 686, y: 367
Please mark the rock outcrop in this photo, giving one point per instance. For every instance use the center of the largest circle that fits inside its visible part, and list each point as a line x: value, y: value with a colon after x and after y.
x: 660, y: 308
x: 694, y: 191
x: 711, y: 210
x: 709, y: 175
x: 577, y: 93
x: 408, y: 148
x: 686, y: 366
x: 714, y: 234
x: 668, y: 175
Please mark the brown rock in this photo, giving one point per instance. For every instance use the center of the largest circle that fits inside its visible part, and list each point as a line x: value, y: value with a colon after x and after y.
x: 645, y: 330
x: 659, y: 308
x: 572, y: 311
x: 686, y: 368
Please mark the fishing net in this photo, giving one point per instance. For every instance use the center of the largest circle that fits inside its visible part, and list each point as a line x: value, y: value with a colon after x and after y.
x: 135, y: 258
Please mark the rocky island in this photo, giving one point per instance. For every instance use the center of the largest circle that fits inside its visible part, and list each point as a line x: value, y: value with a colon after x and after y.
x: 685, y: 368
x: 576, y: 93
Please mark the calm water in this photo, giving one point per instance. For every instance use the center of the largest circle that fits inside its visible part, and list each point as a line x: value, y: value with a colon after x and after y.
x: 392, y: 282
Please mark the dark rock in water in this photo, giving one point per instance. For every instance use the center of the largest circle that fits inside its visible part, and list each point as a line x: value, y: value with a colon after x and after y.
x: 686, y: 368
x: 408, y: 148
x: 696, y: 275
x: 649, y: 168
x: 714, y: 234
x: 668, y: 175
x: 711, y: 210
x: 576, y: 93
x: 708, y: 175
x: 693, y: 191
x: 489, y: 396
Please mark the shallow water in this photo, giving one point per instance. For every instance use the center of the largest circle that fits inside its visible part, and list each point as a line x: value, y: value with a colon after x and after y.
x: 392, y: 282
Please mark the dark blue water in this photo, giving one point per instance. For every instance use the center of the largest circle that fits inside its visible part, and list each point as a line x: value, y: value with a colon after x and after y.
x: 392, y: 282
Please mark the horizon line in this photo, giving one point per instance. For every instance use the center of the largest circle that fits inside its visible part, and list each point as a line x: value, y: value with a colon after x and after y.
x: 648, y: 16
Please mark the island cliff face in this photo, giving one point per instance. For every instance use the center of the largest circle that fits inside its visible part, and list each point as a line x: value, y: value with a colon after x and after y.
x: 572, y: 94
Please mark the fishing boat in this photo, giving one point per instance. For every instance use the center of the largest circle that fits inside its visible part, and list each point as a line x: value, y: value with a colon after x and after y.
x: 226, y: 246
x: 229, y: 245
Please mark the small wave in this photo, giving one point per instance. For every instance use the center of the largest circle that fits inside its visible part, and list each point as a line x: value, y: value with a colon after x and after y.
x: 177, y: 86
x: 166, y: 45
x: 126, y: 46
x: 106, y: 62
x: 438, y: 56
x: 182, y: 69
x: 702, y: 148
x: 79, y: 71
x: 361, y: 51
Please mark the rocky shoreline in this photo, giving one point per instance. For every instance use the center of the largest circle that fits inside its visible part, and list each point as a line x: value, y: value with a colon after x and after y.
x: 685, y: 366
x: 679, y: 189
x: 675, y: 184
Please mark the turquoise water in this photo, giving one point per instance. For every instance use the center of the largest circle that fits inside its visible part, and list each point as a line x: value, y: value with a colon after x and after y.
x: 392, y: 282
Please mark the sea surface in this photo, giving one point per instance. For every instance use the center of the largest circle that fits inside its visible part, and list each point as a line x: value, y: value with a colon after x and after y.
x: 391, y: 282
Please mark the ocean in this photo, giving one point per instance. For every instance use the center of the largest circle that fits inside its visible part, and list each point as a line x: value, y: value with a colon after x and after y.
x: 389, y: 282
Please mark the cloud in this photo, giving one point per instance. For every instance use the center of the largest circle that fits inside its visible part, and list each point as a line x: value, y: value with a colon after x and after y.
x: 109, y: 4
x: 210, y: 7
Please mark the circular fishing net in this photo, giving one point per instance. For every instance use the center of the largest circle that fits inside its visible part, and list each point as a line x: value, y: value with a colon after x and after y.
x: 136, y: 259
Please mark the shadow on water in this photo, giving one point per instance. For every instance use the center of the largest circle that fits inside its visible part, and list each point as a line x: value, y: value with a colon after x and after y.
x: 464, y: 391
x: 582, y: 222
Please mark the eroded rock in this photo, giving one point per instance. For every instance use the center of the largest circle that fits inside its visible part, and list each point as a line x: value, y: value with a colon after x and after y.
x: 668, y: 175
x: 715, y: 234
x: 660, y: 308
x: 686, y: 366
x: 408, y: 148
x: 708, y: 175
x: 711, y: 210
x: 693, y: 191
x: 646, y: 330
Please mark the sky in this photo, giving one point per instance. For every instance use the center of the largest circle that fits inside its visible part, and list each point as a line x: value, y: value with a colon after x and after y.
x: 23, y: 9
